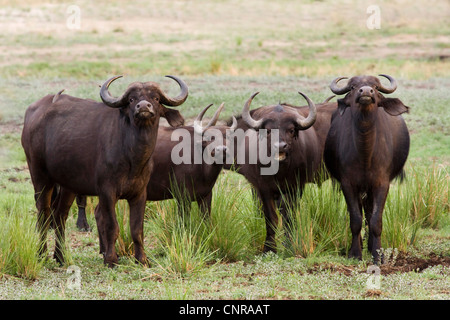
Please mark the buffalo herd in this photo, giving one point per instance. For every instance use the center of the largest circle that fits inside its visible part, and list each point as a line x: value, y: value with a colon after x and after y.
x: 116, y: 149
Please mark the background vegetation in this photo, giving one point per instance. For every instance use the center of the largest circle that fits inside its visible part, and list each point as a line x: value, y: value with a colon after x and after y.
x: 225, y: 51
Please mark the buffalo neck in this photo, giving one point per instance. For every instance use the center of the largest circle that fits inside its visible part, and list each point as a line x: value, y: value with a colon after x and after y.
x: 364, y: 134
x: 139, y: 143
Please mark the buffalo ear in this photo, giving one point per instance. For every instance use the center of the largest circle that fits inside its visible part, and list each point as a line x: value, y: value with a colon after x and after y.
x: 174, y: 117
x: 393, y: 106
x: 343, y: 104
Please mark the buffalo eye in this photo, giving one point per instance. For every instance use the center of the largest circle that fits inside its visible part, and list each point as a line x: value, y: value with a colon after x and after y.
x: 353, y: 87
x: 131, y: 100
x: 291, y: 131
x: 157, y: 99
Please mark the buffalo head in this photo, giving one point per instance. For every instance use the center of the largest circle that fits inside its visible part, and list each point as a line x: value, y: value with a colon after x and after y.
x: 364, y: 94
x: 211, y: 137
x: 144, y: 102
x: 283, y: 118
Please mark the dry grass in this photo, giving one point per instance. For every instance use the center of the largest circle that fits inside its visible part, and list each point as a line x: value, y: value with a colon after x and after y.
x: 251, y: 38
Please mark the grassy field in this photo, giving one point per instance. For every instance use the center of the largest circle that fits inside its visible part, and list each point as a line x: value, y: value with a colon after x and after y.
x: 225, y: 51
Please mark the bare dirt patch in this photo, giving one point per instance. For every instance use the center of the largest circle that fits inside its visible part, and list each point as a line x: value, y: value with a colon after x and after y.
x: 404, y: 263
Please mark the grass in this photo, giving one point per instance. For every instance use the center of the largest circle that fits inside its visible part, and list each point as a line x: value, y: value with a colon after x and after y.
x: 19, y: 244
x: 226, y: 52
x: 193, y: 253
x: 319, y: 223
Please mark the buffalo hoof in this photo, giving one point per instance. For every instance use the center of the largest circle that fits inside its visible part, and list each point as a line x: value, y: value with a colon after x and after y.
x: 111, y: 262
x: 145, y: 262
x: 83, y: 227
x: 355, y: 255
x: 269, y: 248
x: 58, y: 255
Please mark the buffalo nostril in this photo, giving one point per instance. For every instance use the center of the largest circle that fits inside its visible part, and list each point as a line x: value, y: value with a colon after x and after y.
x: 371, y: 90
x: 280, y: 145
x: 360, y: 90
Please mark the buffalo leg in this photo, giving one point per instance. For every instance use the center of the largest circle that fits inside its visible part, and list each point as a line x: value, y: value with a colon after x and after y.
x: 137, y: 210
x: 271, y: 218
x: 376, y: 221
x: 354, y: 208
x: 205, y: 205
x: 368, y: 211
x: 184, y: 206
x: 43, y: 204
x: 43, y: 190
x: 288, y: 203
x: 82, y: 223
x: 65, y: 200
x: 101, y: 231
x: 108, y: 228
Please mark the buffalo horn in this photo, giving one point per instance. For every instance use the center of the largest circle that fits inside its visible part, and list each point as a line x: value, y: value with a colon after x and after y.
x: 252, y: 123
x: 109, y: 100
x: 393, y: 82
x: 336, y: 89
x: 56, y: 96
x: 173, y: 102
x: 234, y: 125
x: 328, y: 99
x: 198, y: 122
x: 309, y: 121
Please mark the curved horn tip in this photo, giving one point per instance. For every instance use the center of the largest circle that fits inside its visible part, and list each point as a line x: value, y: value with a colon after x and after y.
x: 199, y: 118
x: 56, y: 96
x: 235, y: 123
x: 328, y: 99
x: 305, y: 96
x: 216, y: 115
x: 337, y: 79
x: 206, y: 108
x: 173, y: 78
x: 116, y: 77
x: 255, y: 94
x: 219, y: 109
x: 110, y: 80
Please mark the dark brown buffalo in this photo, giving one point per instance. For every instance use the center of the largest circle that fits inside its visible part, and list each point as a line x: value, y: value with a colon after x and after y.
x: 185, y: 181
x: 367, y: 146
x: 193, y: 181
x: 302, y: 133
x: 100, y: 149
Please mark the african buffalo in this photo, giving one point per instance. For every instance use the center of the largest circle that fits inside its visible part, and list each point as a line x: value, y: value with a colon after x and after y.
x: 194, y: 181
x: 297, y: 153
x: 367, y: 146
x: 101, y: 149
